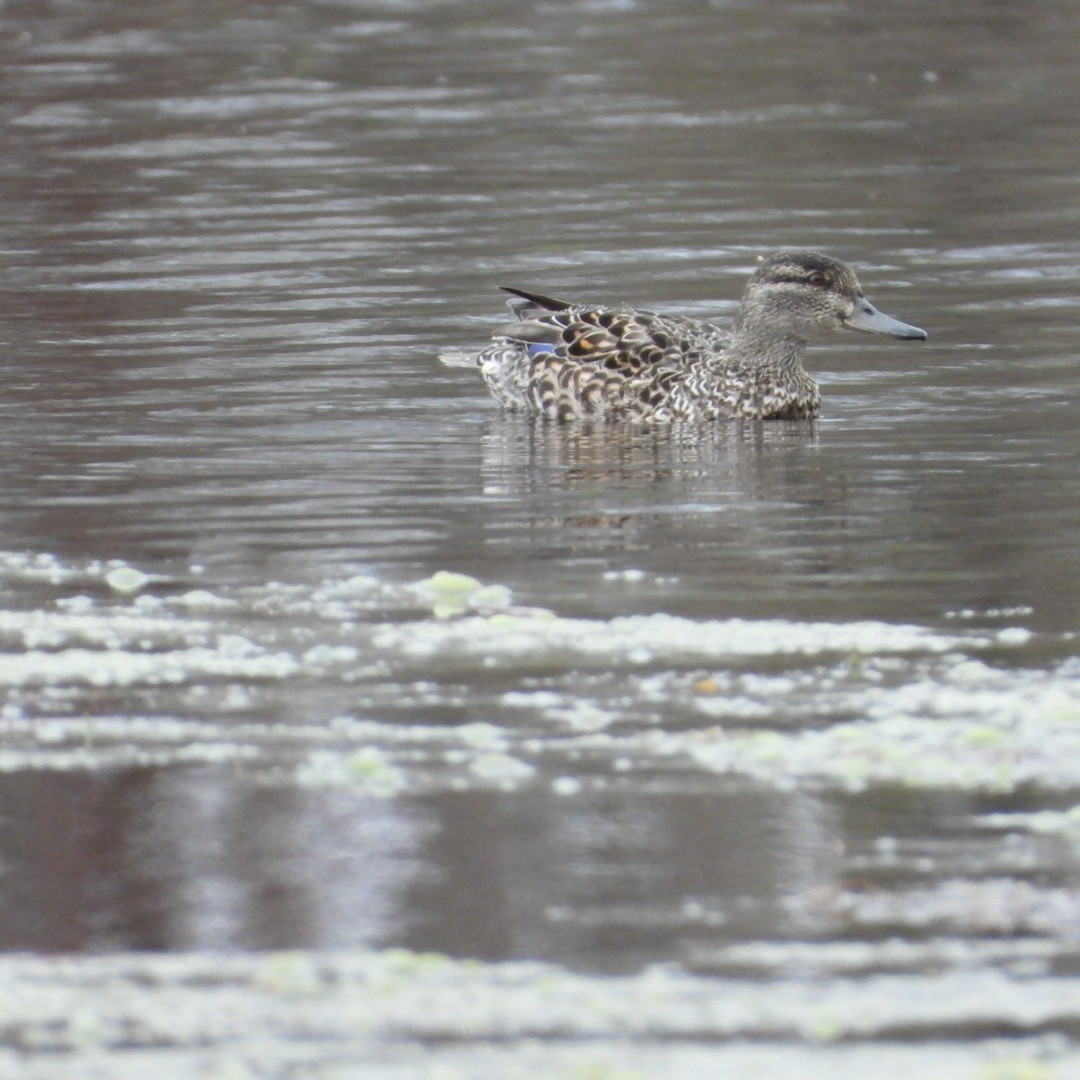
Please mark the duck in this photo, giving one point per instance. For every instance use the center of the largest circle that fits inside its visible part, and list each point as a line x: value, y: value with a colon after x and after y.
x: 567, y: 361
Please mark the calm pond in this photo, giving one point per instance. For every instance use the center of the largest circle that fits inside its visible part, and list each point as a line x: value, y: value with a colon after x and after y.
x: 351, y: 728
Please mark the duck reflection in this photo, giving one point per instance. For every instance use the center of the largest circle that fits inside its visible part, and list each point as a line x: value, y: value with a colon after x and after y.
x: 638, y: 485
x: 528, y: 454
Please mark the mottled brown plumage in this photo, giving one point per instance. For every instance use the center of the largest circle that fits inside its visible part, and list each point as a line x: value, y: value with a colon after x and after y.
x: 568, y: 361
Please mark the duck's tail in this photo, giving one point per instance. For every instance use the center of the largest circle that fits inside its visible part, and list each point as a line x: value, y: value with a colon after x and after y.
x: 459, y: 358
x: 526, y: 307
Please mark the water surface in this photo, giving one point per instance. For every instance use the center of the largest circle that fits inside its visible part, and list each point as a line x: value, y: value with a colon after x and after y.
x: 306, y: 647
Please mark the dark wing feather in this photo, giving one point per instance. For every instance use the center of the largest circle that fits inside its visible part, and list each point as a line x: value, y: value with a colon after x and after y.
x: 541, y: 301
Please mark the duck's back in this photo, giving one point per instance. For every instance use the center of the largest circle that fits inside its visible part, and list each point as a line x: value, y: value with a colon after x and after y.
x: 584, y: 360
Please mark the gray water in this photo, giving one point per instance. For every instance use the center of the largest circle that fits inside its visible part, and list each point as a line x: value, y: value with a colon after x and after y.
x: 785, y: 707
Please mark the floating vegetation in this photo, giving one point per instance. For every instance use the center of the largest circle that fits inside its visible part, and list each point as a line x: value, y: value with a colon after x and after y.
x: 396, y: 1014
x: 524, y: 694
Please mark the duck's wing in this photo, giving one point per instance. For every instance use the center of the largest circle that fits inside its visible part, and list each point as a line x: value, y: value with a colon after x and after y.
x: 618, y: 339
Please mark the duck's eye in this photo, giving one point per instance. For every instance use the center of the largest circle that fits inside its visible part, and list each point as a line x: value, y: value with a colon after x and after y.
x: 816, y: 278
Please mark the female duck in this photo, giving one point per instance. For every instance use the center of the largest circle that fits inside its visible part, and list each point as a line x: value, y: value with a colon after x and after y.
x: 577, y: 360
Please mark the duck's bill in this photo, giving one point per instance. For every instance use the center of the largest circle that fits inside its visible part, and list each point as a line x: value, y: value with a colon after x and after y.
x: 867, y: 317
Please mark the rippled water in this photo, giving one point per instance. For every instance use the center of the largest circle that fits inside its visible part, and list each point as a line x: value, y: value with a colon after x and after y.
x: 306, y: 647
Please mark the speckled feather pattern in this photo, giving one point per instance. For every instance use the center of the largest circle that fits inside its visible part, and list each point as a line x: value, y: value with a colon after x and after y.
x: 570, y: 361
x: 617, y: 362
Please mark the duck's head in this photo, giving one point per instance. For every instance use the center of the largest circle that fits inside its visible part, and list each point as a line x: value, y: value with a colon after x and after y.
x: 799, y: 294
